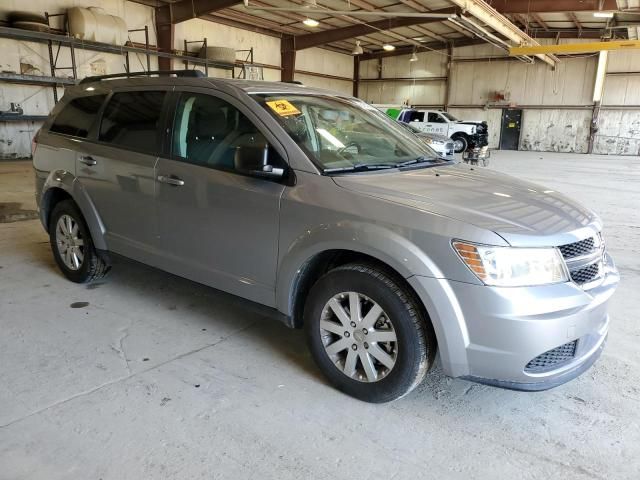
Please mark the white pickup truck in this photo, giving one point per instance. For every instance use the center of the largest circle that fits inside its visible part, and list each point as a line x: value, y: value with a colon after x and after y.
x: 465, y: 134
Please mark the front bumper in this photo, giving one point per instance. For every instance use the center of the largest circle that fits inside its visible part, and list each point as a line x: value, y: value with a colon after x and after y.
x: 490, y: 334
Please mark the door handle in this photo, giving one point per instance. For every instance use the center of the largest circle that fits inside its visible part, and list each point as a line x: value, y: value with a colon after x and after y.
x: 171, y: 180
x: 88, y: 160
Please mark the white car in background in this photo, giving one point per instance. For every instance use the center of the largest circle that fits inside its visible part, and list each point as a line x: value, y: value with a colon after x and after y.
x: 442, y: 145
x: 464, y: 133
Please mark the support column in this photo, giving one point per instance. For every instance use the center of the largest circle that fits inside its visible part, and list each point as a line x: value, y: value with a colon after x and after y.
x: 447, y: 85
x: 356, y: 75
x: 288, y: 58
x: 598, y: 90
x: 166, y: 35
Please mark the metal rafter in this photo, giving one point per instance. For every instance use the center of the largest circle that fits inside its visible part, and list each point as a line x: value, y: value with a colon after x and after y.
x: 576, y: 22
x: 548, y: 6
x: 487, y: 15
x: 320, y: 38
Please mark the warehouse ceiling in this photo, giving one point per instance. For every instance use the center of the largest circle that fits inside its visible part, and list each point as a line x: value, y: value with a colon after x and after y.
x: 536, y: 18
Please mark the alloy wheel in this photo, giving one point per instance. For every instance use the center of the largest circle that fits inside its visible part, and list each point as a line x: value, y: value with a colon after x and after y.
x: 69, y: 242
x: 359, y: 337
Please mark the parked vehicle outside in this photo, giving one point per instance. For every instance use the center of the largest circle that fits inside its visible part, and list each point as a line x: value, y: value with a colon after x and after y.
x: 332, y: 217
x: 464, y: 133
x: 443, y: 146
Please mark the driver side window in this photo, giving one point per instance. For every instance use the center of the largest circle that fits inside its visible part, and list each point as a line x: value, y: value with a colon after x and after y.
x: 210, y: 132
x: 435, y: 118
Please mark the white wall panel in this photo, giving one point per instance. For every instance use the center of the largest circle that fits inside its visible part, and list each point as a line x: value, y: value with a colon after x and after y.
x: 622, y: 90
x: 624, y: 61
x: 344, y: 87
x: 412, y: 93
x: 318, y: 60
x: 555, y: 130
x: 493, y: 117
x: 618, y: 133
x: 369, y: 69
x: 570, y: 84
x: 429, y: 64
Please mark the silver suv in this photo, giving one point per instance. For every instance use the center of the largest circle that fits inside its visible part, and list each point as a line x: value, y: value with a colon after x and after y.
x: 334, y: 218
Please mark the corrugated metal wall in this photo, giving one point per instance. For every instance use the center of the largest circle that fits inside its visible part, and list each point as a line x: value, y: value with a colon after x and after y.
x: 619, y: 121
x: 557, y: 104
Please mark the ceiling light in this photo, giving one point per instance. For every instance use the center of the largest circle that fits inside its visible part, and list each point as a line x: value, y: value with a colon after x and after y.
x: 388, y: 47
x: 414, y: 57
x: 357, y: 50
x: 310, y: 22
x: 603, y: 14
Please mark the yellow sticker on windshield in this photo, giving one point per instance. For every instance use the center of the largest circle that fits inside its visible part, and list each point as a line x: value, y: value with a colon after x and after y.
x: 283, y: 108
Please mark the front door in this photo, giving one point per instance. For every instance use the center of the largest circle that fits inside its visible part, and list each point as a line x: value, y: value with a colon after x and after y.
x: 510, y: 133
x: 218, y: 223
x: 436, y: 123
x: 118, y: 170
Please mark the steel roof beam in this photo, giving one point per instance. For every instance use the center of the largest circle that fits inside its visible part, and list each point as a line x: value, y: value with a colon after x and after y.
x: 548, y: 6
x: 329, y: 36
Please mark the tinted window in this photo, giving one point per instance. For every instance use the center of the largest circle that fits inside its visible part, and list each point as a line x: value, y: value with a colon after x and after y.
x: 131, y: 120
x: 77, y: 117
x: 417, y: 117
x: 209, y: 131
x: 435, y: 118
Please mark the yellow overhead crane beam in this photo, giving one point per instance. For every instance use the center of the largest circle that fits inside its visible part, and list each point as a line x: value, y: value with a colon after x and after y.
x: 567, y: 48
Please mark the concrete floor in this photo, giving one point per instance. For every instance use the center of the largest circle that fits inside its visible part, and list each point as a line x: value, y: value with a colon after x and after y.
x: 157, y: 377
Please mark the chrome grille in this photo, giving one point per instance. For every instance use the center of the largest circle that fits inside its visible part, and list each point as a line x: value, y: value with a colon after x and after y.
x: 578, y: 249
x: 585, y: 274
x: 552, y: 358
x: 583, y: 259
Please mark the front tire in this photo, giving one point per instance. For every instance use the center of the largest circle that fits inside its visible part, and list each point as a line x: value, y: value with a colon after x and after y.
x: 367, y: 334
x: 460, y: 143
x: 72, y: 245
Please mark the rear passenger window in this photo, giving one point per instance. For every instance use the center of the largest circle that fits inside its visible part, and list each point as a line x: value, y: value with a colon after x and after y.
x: 78, y: 116
x: 131, y: 120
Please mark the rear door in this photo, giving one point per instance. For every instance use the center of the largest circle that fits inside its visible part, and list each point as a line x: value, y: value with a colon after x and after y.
x: 219, y: 224
x: 117, y: 169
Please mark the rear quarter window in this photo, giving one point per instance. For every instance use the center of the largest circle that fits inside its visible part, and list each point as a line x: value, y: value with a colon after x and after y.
x: 78, y: 116
x: 131, y: 120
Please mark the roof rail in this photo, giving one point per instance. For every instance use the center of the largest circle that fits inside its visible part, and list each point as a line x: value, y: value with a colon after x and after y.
x: 177, y: 73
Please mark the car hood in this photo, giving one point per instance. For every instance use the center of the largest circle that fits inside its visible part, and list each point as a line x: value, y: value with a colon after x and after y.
x: 521, y: 212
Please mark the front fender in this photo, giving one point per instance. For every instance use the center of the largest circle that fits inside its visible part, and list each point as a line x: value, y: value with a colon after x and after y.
x: 66, y: 181
x: 376, y: 241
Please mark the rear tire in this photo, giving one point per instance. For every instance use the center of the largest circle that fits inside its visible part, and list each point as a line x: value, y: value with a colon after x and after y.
x: 72, y: 245
x: 391, y: 347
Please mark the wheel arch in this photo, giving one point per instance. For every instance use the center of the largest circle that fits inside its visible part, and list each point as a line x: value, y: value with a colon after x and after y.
x: 62, y: 185
x: 329, y: 246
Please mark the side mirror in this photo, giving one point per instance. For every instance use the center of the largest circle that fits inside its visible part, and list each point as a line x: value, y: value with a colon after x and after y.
x: 268, y: 171
x: 252, y: 157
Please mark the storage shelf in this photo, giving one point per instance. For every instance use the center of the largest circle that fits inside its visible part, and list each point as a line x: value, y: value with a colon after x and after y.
x: 44, y: 37
x: 35, y: 79
x: 22, y: 118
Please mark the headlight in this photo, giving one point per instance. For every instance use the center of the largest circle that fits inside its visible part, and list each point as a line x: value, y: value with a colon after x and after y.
x: 513, y: 266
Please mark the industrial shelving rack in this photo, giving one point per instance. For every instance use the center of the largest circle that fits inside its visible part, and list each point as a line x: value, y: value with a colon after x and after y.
x: 55, y: 41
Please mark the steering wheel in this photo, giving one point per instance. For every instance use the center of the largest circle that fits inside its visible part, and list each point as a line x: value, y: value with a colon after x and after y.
x: 343, y: 150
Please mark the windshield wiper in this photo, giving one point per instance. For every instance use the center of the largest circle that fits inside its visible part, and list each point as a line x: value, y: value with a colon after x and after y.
x: 360, y: 167
x: 422, y: 159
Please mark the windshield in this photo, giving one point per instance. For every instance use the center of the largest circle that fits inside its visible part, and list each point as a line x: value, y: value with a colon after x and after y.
x: 339, y: 134
x: 449, y: 117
